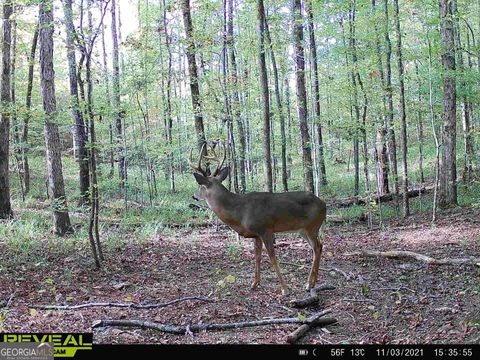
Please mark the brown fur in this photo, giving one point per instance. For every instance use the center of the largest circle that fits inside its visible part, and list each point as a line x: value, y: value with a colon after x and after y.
x: 259, y: 215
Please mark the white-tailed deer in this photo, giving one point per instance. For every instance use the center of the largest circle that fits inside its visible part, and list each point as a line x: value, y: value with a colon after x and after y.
x: 259, y: 215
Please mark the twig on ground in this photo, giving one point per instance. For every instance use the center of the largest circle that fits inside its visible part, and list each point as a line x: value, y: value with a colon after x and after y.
x: 360, y: 300
x: 413, y: 255
x: 341, y: 272
x: 180, y: 330
x: 121, y: 305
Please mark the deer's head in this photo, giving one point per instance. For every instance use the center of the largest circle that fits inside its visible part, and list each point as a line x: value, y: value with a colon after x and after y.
x: 208, y: 182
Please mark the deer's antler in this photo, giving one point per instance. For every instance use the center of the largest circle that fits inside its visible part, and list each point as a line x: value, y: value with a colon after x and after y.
x: 198, y: 167
x: 216, y: 159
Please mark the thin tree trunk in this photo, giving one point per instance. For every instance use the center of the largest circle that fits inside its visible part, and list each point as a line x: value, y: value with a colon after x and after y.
x: 289, y: 128
x: 467, y: 136
x: 302, y: 95
x: 168, y: 112
x: 192, y: 70
x: 24, y: 166
x: 122, y: 163
x: 236, y: 98
x: 281, y: 113
x: 5, y: 98
x: 431, y: 102
x: 420, y: 126
x: 448, y: 167
x: 61, y: 219
x: 79, y: 132
x: 356, y: 107
x: 267, y: 157
x: 381, y: 148
x: 403, y: 115
x: 316, y: 90
x: 106, y: 79
x: 392, y: 142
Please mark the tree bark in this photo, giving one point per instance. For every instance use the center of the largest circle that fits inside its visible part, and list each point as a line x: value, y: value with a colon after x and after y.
x: 192, y: 70
x: 281, y: 113
x: 61, y: 219
x: 236, y: 98
x: 447, y: 195
x: 168, y: 110
x: 392, y: 143
x: 79, y: 133
x: 302, y: 95
x: 316, y: 90
x: 420, y: 132
x: 5, y: 98
x: 381, y: 148
x: 468, y: 150
x: 267, y: 157
x: 24, y: 166
x: 403, y: 115
x: 122, y: 162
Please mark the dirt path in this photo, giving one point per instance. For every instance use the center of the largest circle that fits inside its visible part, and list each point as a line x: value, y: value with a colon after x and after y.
x: 375, y: 300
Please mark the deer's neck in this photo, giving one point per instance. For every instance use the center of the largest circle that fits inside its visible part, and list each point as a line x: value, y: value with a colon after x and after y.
x: 224, y: 204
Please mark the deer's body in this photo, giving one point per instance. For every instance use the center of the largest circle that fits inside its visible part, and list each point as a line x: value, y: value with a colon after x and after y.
x: 259, y: 215
x: 250, y: 214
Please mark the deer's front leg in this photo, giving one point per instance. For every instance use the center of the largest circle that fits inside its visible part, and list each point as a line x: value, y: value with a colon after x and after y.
x: 258, y: 256
x: 268, y: 241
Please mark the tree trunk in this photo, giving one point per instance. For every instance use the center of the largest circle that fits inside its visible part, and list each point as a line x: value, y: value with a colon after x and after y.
x: 468, y: 154
x: 61, y: 219
x: 354, y: 97
x: 403, y: 116
x: 302, y: 95
x: 267, y: 158
x: 380, y: 144
x: 281, y: 113
x: 168, y: 110
x: 448, y: 167
x: 316, y: 89
x: 392, y: 143
x: 122, y: 162
x: 79, y: 133
x: 236, y: 98
x: 192, y: 70
x: 5, y: 205
x: 420, y: 126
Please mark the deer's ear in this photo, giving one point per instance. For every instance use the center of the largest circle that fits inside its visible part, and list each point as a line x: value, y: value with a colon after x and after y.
x: 222, y: 175
x: 201, y: 180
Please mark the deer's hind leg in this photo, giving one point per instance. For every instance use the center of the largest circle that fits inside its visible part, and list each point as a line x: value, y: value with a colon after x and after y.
x: 311, y: 235
x: 258, y: 256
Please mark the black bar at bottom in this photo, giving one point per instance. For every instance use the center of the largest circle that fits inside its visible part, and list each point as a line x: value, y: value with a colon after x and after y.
x: 418, y: 351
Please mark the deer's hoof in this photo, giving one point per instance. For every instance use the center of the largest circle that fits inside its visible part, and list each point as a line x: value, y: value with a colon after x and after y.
x: 308, y: 287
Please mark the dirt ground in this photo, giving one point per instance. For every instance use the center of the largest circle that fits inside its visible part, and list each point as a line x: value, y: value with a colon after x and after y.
x: 376, y: 300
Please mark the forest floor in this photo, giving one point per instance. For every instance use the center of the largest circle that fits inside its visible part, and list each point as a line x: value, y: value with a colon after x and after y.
x: 376, y: 300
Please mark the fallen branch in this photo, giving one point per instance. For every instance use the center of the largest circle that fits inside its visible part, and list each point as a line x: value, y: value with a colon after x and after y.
x: 121, y: 305
x: 383, y: 198
x: 314, y: 320
x: 179, y: 330
x: 313, y: 298
x: 395, y: 254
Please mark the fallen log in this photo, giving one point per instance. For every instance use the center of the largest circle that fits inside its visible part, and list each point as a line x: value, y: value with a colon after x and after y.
x: 180, y: 329
x: 398, y: 254
x: 313, y: 321
x: 120, y: 305
x: 375, y: 198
